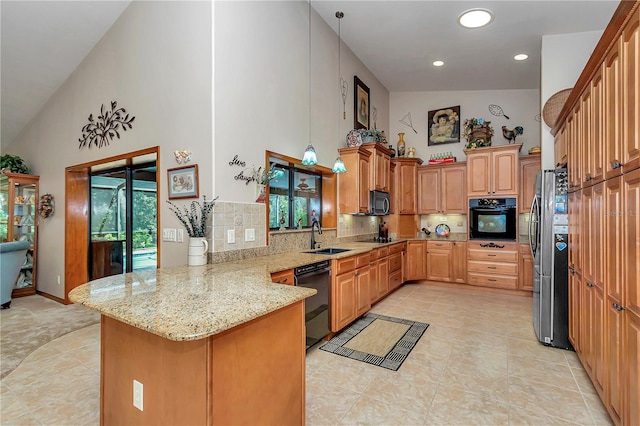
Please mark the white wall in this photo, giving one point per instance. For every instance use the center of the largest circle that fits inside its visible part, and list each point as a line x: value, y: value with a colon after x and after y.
x: 262, y: 88
x: 521, y: 106
x: 155, y: 62
x: 563, y: 59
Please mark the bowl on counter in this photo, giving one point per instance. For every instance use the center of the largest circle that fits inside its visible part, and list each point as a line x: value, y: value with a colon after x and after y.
x: 443, y: 230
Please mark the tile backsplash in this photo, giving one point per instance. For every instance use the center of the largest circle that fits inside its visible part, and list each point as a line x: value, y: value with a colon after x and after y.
x: 238, y: 217
x: 456, y: 222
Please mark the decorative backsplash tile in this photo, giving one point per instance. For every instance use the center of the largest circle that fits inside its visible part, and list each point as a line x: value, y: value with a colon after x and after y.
x: 456, y: 222
x: 237, y: 217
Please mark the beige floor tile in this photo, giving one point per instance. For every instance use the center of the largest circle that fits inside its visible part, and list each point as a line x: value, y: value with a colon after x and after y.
x: 327, y: 403
x: 14, y: 412
x: 371, y: 411
x: 532, y: 348
x: 424, y: 365
x: 532, y: 396
x: 572, y: 359
x: 454, y: 406
x: 490, y: 382
x: 584, y: 382
x: 521, y: 417
x: 598, y: 412
x: 534, y: 369
x: 347, y: 373
x: 403, y: 390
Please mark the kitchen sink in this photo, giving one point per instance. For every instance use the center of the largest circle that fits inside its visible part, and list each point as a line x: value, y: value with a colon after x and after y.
x: 331, y: 250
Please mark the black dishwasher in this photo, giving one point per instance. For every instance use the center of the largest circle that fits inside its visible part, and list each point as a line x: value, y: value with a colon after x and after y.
x: 316, y: 308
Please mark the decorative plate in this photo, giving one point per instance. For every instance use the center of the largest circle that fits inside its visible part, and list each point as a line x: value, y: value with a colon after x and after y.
x: 443, y: 230
x: 354, y: 138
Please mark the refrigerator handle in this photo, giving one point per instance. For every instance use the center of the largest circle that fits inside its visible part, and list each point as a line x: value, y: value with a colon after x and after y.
x: 531, y: 216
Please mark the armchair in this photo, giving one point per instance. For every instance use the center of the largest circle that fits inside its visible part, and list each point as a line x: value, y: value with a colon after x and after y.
x: 12, y: 257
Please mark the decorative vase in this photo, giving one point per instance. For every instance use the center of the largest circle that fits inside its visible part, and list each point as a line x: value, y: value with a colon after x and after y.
x: 261, y: 193
x: 383, y: 138
x: 393, y: 151
x: 198, y: 248
x: 400, y: 144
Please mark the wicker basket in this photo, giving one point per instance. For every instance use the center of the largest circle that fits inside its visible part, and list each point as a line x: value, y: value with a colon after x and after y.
x: 553, y: 106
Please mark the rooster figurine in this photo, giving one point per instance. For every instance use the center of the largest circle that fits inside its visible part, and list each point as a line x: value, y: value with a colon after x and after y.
x: 511, y: 134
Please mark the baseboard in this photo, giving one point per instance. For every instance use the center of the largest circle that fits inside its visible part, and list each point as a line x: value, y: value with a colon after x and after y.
x: 523, y: 293
x: 52, y: 297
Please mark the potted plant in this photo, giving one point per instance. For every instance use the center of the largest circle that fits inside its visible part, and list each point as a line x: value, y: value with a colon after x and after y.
x: 263, y: 177
x: 194, y: 220
x: 477, y: 132
x: 14, y: 163
x: 370, y: 135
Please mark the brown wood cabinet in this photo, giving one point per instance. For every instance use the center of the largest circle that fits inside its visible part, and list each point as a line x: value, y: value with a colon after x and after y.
x: 439, y: 260
x: 575, y: 310
x: 630, y: 47
x: 529, y: 168
x: 354, y: 184
x: 343, y: 300
x: 493, y: 171
x: 406, y: 174
x: 613, y: 112
x: 492, y: 264
x: 363, y: 282
x: 379, y: 166
x: 416, y: 261
x: 392, y: 188
x: 525, y: 268
x: 283, y: 277
x: 560, y: 148
x: 459, y: 262
x: 442, y: 189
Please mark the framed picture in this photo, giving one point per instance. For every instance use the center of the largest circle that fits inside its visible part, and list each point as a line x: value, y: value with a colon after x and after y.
x: 443, y: 125
x: 361, y: 106
x: 183, y: 182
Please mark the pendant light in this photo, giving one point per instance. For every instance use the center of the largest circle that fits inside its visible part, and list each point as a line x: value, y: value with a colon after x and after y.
x: 310, y: 158
x: 338, y: 166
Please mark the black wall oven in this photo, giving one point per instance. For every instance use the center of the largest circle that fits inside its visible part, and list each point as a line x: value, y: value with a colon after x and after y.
x: 492, y: 219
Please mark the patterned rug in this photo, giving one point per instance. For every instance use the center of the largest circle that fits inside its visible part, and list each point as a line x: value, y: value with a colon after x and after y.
x: 33, y: 321
x: 378, y: 340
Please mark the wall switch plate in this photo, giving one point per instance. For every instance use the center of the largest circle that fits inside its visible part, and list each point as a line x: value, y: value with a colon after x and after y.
x: 58, y: 279
x: 180, y: 235
x: 249, y: 234
x: 168, y: 234
x: 231, y: 236
x: 138, y: 395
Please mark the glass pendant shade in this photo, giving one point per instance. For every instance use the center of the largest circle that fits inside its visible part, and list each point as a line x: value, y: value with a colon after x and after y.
x: 338, y: 166
x: 310, y: 158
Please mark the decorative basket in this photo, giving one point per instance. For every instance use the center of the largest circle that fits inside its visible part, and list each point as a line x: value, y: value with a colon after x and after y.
x: 553, y: 106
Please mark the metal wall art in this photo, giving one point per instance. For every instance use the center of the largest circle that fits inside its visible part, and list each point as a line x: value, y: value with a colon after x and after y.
x: 102, y: 130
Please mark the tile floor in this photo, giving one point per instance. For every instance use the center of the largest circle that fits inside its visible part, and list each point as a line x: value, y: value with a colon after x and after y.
x: 477, y: 364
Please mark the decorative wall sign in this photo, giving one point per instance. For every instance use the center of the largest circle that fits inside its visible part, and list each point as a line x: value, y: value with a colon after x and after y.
x: 361, y: 106
x: 101, y: 131
x: 444, y: 125
x: 47, y: 206
x: 183, y: 156
x: 237, y: 162
x: 497, y: 111
x: 183, y: 182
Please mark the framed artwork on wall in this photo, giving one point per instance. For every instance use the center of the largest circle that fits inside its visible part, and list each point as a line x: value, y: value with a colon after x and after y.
x: 361, y: 105
x: 443, y: 125
x: 183, y: 182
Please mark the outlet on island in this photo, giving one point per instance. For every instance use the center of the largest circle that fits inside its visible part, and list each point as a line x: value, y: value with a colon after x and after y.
x: 231, y: 236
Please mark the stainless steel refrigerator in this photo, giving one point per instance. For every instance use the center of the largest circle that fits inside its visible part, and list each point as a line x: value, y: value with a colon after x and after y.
x: 548, y: 238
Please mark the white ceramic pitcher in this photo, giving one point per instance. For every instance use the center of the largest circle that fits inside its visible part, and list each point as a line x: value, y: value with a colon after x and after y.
x: 198, y: 248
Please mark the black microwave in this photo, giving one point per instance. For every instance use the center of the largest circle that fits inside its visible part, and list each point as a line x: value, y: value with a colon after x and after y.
x: 492, y: 219
x: 378, y: 203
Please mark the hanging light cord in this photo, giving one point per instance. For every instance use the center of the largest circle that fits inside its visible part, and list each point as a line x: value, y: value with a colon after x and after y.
x: 344, y: 86
x: 309, y: 72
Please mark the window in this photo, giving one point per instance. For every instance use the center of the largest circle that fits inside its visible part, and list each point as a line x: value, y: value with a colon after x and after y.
x: 294, y: 198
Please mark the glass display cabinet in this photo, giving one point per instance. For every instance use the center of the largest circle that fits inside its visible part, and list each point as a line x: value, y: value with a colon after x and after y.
x: 19, y: 221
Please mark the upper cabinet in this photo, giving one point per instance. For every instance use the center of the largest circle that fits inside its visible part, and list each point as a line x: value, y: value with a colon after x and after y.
x: 354, y: 184
x: 493, y: 171
x: 379, y: 167
x: 441, y: 188
x: 406, y: 182
x: 529, y: 168
x: 630, y: 43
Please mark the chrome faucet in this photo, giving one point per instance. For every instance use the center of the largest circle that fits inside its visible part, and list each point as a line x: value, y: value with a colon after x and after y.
x: 313, y: 236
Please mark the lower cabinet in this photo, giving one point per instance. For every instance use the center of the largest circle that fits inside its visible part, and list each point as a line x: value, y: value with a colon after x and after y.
x: 343, y: 300
x: 439, y: 260
x: 492, y: 264
x: 575, y: 311
x: 459, y: 262
x: 362, y: 283
x: 416, y: 263
x: 525, y: 268
x: 283, y: 277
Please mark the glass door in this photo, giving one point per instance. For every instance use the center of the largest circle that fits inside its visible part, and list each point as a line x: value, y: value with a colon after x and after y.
x: 123, y: 220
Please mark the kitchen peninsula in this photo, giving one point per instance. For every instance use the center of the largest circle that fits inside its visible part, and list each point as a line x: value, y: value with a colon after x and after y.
x: 213, y: 344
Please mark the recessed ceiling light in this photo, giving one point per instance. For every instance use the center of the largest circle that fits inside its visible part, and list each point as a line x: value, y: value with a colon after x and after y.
x: 521, y: 57
x: 475, y: 18
x: 438, y: 63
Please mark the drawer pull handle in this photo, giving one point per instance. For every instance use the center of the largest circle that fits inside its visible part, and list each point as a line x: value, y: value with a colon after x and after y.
x: 491, y: 267
x: 492, y: 255
x: 616, y: 164
x: 282, y: 281
x: 492, y: 280
x: 618, y: 307
x: 491, y: 245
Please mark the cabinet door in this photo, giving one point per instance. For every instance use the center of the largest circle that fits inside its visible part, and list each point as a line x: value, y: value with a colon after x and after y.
x: 631, y: 93
x: 588, y: 243
x: 344, y: 301
x: 575, y: 312
x: 586, y: 327
x: 416, y: 258
x: 407, y: 183
x: 575, y: 230
x: 392, y: 189
x: 459, y: 262
x: 363, y: 187
x: 283, y: 277
x: 374, y: 294
x: 383, y: 276
x: 505, y: 173
x: 439, y: 264
x: 573, y: 153
x: 598, y: 338
x: 529, y: 168
x: 613, y: 239
x: 615, y: 363
x: 560, y: 148
x: 587, y: 137
x: 597, y: 234
x: 479, y: 174
x: 631, y: 233
x: 578, y: 145
x: 632, y: 333
x: 597, y: 129
x: 613, y: 113
x: 363, y: 297
x: 453, y: 190
x: 429, y: 190
x: 525, y: 269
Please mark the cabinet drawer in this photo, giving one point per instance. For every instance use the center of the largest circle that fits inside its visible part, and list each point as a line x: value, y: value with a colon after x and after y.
x: 373, y: 255
x: 395, y: 280
x: 283, y: 277
x: 492, y: 267
x: 445, y: 245
x: 395, y: 262
x: 383, y: 251
x: 396, y: 248
x: 506, y: 254
x: 500, y: 281
x: 344, y: 265
x: 362, y: 260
